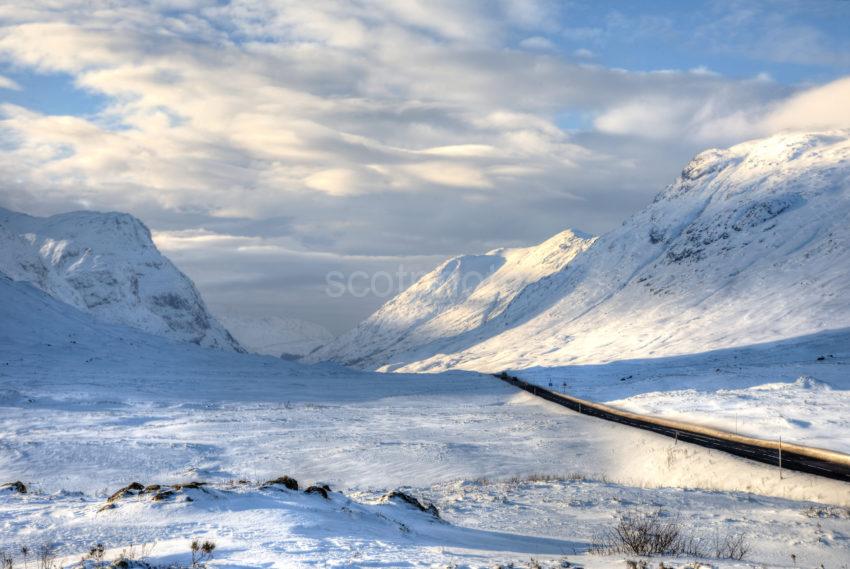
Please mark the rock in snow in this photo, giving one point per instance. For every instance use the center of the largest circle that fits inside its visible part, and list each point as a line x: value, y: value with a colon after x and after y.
x: 107, y: 265
x: 749, y: 244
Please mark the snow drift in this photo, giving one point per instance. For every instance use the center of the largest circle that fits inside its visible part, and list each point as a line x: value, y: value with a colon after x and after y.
x: 749, y: 244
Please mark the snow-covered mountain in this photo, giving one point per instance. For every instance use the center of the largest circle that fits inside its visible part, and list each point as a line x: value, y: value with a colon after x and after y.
x: 107, y: 265
x: 275, y: 335
x: 33, y: 322
x: 749, y: 244
x: 459, y: 296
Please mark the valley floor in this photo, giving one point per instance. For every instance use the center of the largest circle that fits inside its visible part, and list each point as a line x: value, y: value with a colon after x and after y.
x: 512, y: 477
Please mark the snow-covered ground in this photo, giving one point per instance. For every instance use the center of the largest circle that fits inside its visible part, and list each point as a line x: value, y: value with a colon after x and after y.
x: 797, y: 389
x: 483, y: 524
x: 93, y: 431
x: 87, y: 408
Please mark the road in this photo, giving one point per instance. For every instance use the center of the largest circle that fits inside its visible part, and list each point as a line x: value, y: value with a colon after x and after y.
x: 792, y: 457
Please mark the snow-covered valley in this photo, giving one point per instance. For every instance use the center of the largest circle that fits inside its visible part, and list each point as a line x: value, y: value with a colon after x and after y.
x: 723, y: 303
x: 452, y: 439
x: 103, y: 384
x: 409, y: 284
x: 88, y: 407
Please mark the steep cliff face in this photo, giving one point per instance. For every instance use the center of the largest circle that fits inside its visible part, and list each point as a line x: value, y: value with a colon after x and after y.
x: 107, y: 265
x: 749, y: 244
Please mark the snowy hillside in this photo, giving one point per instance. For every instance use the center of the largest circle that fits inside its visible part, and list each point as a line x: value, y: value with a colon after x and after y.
x: 749, y: 244
x: 107, y: 265
x: 275, y: 335
x: 461, y: 295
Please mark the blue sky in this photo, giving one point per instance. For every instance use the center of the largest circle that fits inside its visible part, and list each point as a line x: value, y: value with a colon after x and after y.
x: 49, y: 93
x: 735, y: 39
x: 290, y: 139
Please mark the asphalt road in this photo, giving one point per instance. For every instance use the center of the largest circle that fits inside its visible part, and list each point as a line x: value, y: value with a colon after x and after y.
x: 789, y: 460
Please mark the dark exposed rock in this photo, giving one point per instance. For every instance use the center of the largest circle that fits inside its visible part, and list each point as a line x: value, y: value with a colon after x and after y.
x: 171, y: 300
x: 687, y: 253
x: 703, y: 164
x: 132, y: 489
x: 320, y: 490
x: 286, y: 481
x: 163, y: 495
x: 405, y: 498
x: 656, y: 235
x: 190, y: 486
x: 16, y: 486
x: 760, y: 212
x: 156, y: 492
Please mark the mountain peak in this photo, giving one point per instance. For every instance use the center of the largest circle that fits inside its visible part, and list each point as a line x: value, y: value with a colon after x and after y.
x: 456, y: 298
x: 107, y: 264
x: 749, y: 244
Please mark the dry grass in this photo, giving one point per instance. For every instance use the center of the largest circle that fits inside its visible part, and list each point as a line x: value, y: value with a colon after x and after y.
x: 731, y: 546
x: 646, y: 534
x: 662, y: 533
x: 132, y: 557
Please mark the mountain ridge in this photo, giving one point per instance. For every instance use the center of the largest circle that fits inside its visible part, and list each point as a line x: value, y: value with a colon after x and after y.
x: 462, y: 293
x: 748, y: 244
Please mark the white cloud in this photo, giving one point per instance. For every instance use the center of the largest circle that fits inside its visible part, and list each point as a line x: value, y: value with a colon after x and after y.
x: 463, y: 150
x: 822, y: 107
x: 336, y: 182
x: 537, y: 43
x: 722, y: 117
x: 658, y: 117
x: 448, y: 174
x: 342, y: 100
x: 703, y: 70
x: 6, y: 83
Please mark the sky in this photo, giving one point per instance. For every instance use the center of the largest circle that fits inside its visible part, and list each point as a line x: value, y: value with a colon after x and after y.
x: 271, y: 144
